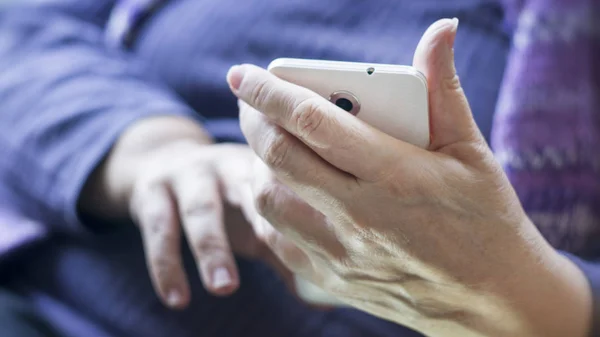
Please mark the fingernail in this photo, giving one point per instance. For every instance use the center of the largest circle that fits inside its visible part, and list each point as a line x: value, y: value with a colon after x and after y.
x: 221, y: 278
x: 455, y: 22
x: 235, y: 76
x: 174, y: 298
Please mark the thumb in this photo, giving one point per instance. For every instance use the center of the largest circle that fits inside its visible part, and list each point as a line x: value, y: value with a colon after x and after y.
x: 451, y: 121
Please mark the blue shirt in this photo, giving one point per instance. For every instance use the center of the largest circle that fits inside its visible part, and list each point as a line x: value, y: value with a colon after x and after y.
x: 65, y: 96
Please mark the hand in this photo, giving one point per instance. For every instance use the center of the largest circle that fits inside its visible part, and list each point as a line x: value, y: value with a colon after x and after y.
x: 433, y: 239
x: 172, y: 179
x: 182, y: 190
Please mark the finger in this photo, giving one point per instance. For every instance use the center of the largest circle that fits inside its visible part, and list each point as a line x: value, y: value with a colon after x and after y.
x: 283, y: 271
x: 331, y: 132
x: 201, y: 213
x: 298, y: 251
x: 247, y: 205
x: 292, y: 228
x: 261, y: 175
x: 154, y: 211
x: 281, y: 254
x: 295, y: 259
x: 451, y: 118
x: 235, y: 172
x: 288, y: 276
x: 278, y: 246
x: 293, y: 163
x: 288, y: 224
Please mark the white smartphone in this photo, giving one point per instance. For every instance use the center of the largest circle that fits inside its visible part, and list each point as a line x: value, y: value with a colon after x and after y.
x: 391, y: 98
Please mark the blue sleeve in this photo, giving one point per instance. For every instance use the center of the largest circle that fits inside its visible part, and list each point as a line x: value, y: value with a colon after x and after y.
x: 591, y: 270
x: 64, y: 100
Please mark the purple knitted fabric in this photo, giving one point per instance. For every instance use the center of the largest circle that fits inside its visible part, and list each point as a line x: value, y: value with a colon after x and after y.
x: 547, y: 125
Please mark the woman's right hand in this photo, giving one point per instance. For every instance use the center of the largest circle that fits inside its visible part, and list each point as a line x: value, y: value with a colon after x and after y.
x: 181, y: 184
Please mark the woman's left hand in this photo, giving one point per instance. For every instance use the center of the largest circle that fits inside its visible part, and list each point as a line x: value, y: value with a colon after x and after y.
x: 433, y: 239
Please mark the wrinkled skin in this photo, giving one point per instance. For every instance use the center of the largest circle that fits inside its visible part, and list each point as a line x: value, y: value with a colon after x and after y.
x: 434, y: 239
x: 169, y: 178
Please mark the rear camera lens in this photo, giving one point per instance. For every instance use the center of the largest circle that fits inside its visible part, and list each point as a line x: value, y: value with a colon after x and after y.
x: 345, y: 104
x: 344, y: 100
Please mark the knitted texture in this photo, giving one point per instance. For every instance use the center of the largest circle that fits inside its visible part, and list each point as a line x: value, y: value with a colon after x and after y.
x: 546, y: 131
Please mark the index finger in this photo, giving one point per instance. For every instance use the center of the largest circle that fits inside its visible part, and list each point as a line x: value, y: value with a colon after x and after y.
x: 331, y: 132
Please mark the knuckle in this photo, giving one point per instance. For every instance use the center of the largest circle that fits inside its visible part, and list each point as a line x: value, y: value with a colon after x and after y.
x: 135, y: 199
x: 277, y: 151
x: 260, y: 92
x: 309, y: 115
x: 141, y: 192
x: 164, y: 267
x: 266, y: 199
x: 210, y: 244
x: 452, y: 83
x: 199, y: 207
x: 155, y: 221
